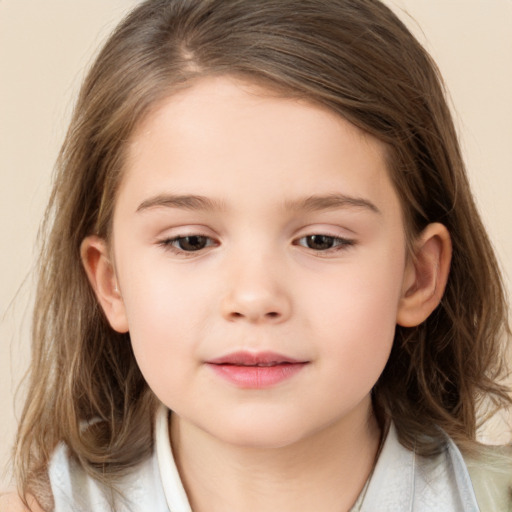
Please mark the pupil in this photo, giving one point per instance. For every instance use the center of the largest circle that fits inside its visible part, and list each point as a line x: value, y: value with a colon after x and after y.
x: 192, y: 243
x: 320, y: 242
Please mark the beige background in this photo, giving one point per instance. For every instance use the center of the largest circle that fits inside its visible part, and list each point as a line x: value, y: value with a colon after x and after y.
x: 45, y: 47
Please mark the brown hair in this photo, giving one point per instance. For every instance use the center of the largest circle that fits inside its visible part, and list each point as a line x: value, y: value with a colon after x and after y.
x: 354, y: 57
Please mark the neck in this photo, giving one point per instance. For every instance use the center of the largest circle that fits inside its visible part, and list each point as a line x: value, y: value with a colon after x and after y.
x: 324, y: 471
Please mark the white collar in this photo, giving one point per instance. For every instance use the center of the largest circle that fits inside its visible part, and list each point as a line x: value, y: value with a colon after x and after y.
x: 175, y: 494
x: 402, y: 480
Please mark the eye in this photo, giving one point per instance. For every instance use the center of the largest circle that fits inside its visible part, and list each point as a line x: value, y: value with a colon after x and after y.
x: 189, y: 243
x: 321, y: 242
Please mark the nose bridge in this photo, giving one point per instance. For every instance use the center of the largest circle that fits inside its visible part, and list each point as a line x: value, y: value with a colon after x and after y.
x: 256, y: 289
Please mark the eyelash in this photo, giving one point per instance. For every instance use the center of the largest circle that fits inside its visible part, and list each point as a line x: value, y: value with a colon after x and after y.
x: 339, y: 244
x: 171, y: 244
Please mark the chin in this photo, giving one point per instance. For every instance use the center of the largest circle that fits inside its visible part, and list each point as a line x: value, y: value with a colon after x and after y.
x: 261, y: 433
x: 262, y: 439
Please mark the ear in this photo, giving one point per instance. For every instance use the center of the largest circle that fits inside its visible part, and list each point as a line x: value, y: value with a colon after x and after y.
x: 425, y: 276
x: 101, y: 273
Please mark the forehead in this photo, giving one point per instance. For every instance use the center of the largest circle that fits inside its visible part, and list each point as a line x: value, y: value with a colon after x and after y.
x: 234, y: 139
x: 214, y: 98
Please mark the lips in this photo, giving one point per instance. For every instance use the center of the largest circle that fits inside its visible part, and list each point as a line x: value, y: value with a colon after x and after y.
x: 254, y: 359
x: 255, y: 370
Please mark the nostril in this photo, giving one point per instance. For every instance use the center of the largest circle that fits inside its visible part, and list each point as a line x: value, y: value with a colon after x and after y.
x: 272, y: 314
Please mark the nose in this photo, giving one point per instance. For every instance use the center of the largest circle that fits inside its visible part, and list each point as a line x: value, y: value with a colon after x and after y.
x: 256, y: 293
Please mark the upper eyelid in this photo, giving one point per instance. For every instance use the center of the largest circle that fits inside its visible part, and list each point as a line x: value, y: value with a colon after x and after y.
x: 336, y: 237
x: 347, y: 242
x: 328, y: 229
x: 334, y: 232
x: 169, y: 239
x: 173, y: 233
x: 306, y: 232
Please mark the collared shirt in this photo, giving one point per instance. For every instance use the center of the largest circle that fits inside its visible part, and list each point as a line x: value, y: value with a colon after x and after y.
x: 402, y: 481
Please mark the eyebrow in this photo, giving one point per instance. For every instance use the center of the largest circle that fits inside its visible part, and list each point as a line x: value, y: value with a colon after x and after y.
x: 185, y: 202
x: 331, y: 202
x: 310, y: 204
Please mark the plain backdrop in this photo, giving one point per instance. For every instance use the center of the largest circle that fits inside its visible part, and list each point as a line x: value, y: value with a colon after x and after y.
x: 45, y: 48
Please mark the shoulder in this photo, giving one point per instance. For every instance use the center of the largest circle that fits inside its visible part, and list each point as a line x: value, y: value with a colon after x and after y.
x: 405, y: 481
x: 491, y: 476
x: 11, y: 502
x: 73, y: 488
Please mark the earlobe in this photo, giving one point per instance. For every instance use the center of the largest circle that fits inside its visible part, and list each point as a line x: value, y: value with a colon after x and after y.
x: 101, y: 274
x: 426, y: 276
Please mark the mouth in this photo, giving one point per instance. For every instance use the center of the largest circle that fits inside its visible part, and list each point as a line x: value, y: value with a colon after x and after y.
x: 256, y: 370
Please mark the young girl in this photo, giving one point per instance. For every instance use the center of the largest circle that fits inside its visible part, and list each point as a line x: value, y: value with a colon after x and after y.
x: 261, y: 222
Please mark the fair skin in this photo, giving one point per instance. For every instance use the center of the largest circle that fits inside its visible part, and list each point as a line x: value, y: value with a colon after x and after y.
x: 296, y: 247
x: 11, y: 502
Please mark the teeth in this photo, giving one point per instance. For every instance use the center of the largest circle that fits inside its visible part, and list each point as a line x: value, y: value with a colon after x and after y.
x: 261, y: 364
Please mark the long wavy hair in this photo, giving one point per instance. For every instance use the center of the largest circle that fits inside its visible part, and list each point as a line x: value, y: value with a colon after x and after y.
x: 352, y: 56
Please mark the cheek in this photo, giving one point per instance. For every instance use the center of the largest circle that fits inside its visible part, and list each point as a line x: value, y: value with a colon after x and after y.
x: 356, y: 316
x: 158, y: 296
x: 165, y: 322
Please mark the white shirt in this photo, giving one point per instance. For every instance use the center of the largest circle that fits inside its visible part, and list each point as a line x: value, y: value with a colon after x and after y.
x: 402, y: 481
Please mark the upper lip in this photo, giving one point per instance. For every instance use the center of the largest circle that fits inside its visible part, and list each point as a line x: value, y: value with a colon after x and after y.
x: 244, y: 358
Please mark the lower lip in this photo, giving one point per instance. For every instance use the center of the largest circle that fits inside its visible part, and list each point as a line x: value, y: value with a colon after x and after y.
x: 257, y: 377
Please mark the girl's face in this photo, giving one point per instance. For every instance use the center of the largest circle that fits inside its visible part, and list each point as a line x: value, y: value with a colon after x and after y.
x: 260, y: 255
